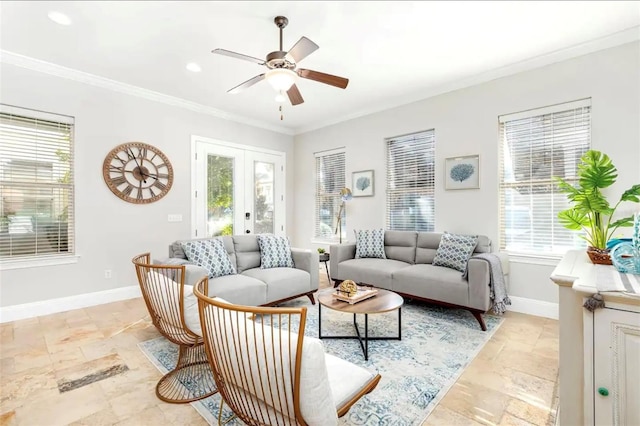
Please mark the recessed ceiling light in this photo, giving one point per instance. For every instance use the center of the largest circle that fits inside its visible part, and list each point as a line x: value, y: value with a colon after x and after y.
x: 59, y: 18
x: 193, y: 67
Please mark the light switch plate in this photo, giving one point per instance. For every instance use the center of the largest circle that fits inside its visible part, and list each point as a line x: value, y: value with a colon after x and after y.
x: 175, y: 218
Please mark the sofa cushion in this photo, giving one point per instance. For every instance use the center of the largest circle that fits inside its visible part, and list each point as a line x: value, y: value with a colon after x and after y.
x: 239, y: 289
x: 376, y: 272
x: 275, y: 252
x: 426, y: 246
x: 211, y: 255
x: 400, y: 245
x: 432, y: 282
x: 247, y: 252
x: 455, y: 250
x: 281, y: 282
x: 370, y: 243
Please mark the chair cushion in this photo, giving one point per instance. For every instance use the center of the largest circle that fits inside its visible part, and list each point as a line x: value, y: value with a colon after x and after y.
x: 190, y: 303
x: 370, y: 243
x: 275, y: 252
x: 454, y: 251
x: 345, y: 378
x: 211, y: 255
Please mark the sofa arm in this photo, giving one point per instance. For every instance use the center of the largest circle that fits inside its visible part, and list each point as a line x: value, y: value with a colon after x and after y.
x: 307, y: 260
x: 479, y: 284
x: 339, y: 253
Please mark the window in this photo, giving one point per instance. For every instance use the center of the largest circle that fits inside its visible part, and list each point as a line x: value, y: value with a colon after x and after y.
x: 536, y: 146
x: 410, y: 182
x: 36, y: 184
x: 330, y: 179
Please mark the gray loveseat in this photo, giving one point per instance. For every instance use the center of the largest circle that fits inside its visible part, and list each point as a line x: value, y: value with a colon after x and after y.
x: 252, y: 285
x: 408, y: 271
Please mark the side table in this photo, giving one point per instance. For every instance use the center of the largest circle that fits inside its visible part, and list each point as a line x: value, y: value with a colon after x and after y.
x: 324, y: 258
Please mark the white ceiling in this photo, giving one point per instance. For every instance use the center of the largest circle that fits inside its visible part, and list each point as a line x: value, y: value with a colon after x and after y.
x: 392, y: 52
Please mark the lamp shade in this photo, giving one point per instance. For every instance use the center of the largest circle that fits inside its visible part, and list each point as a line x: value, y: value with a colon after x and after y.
x: 345, y: 194
x: 281, y: 79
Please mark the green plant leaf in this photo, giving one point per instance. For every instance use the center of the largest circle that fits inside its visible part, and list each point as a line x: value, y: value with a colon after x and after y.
x: 596, y: 170
x: 573, y: 219
x: 624, y: 222
x: 632, y: 194
x: 591, y: 201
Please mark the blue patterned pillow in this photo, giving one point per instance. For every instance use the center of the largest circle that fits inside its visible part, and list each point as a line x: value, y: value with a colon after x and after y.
x: 275, y: 252
x: 370, y: 243
x: 455, y: 250
x: 211, y: 255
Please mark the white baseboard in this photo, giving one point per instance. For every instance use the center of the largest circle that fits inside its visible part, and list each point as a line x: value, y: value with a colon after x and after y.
x: 535, y: 307
x: 62, y: 304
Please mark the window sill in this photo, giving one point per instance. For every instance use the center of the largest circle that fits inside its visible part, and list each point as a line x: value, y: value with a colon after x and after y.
x: 533, y: 259
x: 37, y: 262
x: 325, y: 242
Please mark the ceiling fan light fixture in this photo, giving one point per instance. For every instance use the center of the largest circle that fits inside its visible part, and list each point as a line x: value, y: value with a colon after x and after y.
x: 281, y: 79
x: 280, y: 97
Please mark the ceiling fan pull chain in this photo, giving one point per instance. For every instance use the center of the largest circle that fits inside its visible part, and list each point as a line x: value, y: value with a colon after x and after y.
x: 280, y: 108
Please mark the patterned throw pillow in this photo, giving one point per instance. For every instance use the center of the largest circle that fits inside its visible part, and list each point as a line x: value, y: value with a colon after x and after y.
x: 211, y: 255
x: 275, y: 252
x: 370, y: 243
x: 455, y: 250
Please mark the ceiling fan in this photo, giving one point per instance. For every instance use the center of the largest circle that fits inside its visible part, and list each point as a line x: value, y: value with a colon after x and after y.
x: 283, y: 70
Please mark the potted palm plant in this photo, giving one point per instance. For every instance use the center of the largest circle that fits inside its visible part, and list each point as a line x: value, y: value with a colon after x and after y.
x: 590, y: 211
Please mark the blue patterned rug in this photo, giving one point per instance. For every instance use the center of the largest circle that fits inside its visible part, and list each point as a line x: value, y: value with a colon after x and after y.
x: 437, y: 344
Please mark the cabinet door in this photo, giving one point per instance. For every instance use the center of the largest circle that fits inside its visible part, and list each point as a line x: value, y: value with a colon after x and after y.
x: 616, y: 367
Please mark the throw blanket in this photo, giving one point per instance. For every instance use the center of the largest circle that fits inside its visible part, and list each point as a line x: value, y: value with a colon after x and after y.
x: 497, y: 285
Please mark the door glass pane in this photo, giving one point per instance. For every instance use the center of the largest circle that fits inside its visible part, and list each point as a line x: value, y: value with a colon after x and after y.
x: 264, y: 197
x: 219, y: 195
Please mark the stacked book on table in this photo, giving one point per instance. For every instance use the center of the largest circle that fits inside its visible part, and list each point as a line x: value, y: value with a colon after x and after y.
x: 361, y: 294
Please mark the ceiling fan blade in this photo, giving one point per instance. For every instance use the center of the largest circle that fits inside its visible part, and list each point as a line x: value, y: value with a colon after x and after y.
x: 303, y: 48
x: 238, y: 56
x: 240, y: 87
x: 332, y: 80
x: 294, y: 95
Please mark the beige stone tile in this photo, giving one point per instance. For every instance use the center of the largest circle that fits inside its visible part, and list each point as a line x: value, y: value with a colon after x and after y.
x: 84, y: 369
x: 138, y: 397
x: 7, y: 366
x: 31, y: 357
x: 530, y: 413
x: 144, y: 377
x: 66, y: 358
x: 182, y: 414
x: 530, y: 363
x: 62, y: 408
x: 547, y: 346
x: 443, y: 416
x: 59, y: 340
x: 510, y: 420
x: 8, y: 418
x: 30, y: 384
x: 6, y: 333
x: 151, y: 416
x: 491, y: 350
x: 25, y: 322
x: 105, y: 417
x: 28, y: 334
x: 482, y: 404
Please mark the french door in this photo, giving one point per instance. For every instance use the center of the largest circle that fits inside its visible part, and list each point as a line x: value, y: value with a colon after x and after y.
x: 237, y: 189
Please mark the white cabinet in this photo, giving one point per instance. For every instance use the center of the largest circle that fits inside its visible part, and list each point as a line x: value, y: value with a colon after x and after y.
x: 616, y: 367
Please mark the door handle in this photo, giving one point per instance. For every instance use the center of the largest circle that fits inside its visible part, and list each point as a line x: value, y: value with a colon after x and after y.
x: 247, y: 215
x: 248, y: 231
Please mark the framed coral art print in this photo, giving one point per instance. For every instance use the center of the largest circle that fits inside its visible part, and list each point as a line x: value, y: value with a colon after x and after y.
x: 462, y: 172
x: 362, y: 183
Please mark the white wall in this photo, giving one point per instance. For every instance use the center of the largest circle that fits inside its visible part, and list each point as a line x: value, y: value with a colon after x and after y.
x: 110, y: 231
x: 466, y: 122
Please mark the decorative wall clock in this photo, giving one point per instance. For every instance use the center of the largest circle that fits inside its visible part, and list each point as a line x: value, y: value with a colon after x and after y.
x: 137, y: 172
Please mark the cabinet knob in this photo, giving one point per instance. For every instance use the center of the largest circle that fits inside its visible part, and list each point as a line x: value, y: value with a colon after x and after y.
x: 603, y: 391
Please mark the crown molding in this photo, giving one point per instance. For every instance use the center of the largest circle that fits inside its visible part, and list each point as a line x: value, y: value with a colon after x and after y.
x: 616, y: 39
x: 128, y: 89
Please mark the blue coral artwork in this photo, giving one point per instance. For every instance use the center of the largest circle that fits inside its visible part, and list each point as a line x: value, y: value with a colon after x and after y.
x: 362, y: 183
x: 462, y: 172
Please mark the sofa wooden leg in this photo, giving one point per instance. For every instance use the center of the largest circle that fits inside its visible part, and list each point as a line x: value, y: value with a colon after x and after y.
x: 478, y: 316
x: 310, y: 296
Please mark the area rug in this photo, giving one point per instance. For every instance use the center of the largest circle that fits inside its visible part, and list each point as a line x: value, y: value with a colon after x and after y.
x: 437, y: 344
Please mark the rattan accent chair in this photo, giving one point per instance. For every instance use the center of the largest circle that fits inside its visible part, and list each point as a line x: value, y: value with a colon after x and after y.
x: 268, y: 372
x: 173, y: 310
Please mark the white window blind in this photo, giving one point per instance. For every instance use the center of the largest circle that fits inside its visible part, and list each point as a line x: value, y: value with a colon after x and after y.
x: 36, y: 184
x: 330, y: 179
x: 536, y: 146
x: 410, y: 182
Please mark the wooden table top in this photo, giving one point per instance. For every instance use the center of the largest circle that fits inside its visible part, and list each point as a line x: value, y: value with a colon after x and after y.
x: 384, y: 301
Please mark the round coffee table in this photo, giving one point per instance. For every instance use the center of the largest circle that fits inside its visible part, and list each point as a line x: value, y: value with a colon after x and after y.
x: 384, y: 301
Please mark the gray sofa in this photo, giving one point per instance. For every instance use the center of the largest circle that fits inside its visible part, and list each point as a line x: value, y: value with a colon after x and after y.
x: 252, y: 285
x: 408, y: 271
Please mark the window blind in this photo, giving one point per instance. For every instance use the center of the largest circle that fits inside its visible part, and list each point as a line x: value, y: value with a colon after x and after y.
x: 330, y: 179
x: 410, y: 182
x: 536, y: 146
x: 36, y: 184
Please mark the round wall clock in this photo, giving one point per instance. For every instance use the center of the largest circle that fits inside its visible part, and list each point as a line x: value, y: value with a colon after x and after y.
x: 137, y: 172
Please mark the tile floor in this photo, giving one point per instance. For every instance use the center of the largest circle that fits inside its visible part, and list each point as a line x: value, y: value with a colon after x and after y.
x: 511, y: 382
